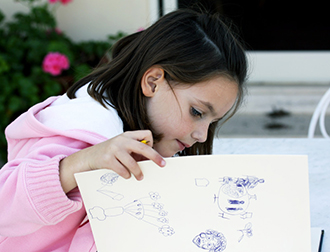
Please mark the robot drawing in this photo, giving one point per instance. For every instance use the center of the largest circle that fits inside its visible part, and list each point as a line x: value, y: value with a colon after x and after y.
x: 234, y: 196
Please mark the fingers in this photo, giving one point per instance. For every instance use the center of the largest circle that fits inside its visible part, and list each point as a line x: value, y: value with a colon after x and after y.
x: 120, y: 169
x: 143, y: 146
x: 143, y: 136
x: 139, y: 151
x: 122, y: 153
x: 130, y: 166
x: 149, y: 153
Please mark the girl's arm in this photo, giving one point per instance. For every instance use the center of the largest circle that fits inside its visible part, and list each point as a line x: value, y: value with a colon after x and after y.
x: 31, y: 195
x: 119, y: 154
x: 33, y: 188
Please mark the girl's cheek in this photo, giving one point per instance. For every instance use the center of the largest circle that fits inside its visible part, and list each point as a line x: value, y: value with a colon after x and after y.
x: 187, y: 129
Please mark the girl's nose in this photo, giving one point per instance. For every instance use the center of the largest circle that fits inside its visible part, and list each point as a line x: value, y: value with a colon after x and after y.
x: 200, y: 133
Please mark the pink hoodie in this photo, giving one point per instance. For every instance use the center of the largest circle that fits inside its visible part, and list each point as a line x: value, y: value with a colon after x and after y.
x: 35, y: 213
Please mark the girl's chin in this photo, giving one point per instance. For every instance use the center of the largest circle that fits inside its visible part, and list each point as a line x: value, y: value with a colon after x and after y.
x: 165, y: 152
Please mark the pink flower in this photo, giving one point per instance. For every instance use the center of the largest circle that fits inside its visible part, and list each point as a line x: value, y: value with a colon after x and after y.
x: 62, y: 1
x: 65, y: 1
x: 54, y: 63
x: 58, y: 31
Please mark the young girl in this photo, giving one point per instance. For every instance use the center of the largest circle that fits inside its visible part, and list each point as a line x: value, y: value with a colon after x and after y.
x: 168, y: 85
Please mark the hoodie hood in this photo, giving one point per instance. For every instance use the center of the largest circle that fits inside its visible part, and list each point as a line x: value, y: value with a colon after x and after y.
x: 81, y: 118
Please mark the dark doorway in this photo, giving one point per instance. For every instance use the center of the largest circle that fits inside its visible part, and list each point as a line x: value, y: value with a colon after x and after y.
x: 275, y: 25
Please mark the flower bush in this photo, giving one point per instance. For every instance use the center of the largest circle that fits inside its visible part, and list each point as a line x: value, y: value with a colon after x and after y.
x: 37, y: 60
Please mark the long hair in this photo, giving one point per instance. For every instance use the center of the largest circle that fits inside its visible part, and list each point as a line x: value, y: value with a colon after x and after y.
x: 189, y: 46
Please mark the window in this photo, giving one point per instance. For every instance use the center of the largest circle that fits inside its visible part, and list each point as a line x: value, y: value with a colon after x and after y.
x: 275, y: 25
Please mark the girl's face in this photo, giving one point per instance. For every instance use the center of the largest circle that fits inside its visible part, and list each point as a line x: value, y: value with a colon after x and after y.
x: 183, y: 114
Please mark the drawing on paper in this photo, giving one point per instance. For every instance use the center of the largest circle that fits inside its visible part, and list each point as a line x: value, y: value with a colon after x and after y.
x: 246, y: 231
x: 211, y: 240
x: 146, y: 209
x: 108, y: 179
x: 201, y: 182
x: 234, y: 196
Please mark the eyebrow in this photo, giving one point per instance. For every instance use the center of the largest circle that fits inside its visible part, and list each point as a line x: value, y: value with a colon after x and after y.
x: 208, y: 105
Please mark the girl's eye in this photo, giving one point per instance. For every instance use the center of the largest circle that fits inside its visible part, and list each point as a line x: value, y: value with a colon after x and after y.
x: 196, y: 113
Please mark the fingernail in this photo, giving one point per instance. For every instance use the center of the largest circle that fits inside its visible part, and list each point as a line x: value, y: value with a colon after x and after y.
x: 163, y: 163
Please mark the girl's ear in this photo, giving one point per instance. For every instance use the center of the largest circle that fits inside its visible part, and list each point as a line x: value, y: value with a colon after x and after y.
x: 151, y: 80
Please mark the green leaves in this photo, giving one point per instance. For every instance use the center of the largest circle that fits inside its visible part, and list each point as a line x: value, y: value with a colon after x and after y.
x: 61, y: 47
x: 40, y: 15
x: 81, y: 71
x: 4, y: 67
x: 2, y: 17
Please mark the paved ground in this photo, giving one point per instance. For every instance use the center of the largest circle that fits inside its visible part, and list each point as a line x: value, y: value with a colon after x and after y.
x: 277, y: 110
x: 263, y: 125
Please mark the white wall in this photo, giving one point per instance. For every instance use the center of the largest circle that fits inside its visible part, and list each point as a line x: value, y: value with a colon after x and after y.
x: 86, y: 19
x: 9, y: 7
x: 313, y: 66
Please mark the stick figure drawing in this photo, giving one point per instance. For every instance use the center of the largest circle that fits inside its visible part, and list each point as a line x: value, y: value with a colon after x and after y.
x: 146, y: 209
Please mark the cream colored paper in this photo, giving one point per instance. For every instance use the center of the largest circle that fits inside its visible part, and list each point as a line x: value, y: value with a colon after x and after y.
x: 202, y: 204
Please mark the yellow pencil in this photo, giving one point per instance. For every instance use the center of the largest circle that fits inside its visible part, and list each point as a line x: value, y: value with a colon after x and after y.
x: 144, y: 141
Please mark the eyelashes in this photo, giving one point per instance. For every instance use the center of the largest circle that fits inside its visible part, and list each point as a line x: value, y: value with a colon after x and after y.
x: 194, y: 112
x: 197, y: 114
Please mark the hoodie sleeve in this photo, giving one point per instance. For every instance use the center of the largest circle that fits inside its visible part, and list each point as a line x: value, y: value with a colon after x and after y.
x: 31, y: 195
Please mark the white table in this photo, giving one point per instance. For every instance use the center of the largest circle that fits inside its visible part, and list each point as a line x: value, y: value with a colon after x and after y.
x: 318, y: 151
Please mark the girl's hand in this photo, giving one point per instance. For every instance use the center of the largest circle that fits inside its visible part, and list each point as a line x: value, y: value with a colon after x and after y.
x: 119, y: 154
x: 122, y: 152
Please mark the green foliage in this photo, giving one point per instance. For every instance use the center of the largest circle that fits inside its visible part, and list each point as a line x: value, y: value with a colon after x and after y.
x: 24, y: 42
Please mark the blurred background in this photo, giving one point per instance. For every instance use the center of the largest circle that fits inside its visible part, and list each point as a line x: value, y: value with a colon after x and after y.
x: 288, y: 45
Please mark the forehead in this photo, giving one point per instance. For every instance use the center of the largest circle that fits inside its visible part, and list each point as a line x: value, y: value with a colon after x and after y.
x: 217, y: 84
x: 217, y: 95
x: 213, y: 93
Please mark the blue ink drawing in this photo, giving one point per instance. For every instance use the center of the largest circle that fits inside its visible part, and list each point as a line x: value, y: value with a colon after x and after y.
x: 211, y: 240
x: 201, y: 182
x: 247, y: 230
x: 108, y: 179
x: 146, y: 209
x: 234, y: 196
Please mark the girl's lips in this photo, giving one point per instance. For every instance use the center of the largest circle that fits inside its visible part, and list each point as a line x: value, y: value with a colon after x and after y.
x: 182, y: 145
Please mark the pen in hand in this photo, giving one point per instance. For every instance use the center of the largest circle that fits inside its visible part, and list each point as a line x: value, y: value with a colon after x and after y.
x: 144, y: 141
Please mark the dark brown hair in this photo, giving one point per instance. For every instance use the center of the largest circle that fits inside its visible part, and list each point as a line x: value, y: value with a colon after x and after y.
x: 190, y: 46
